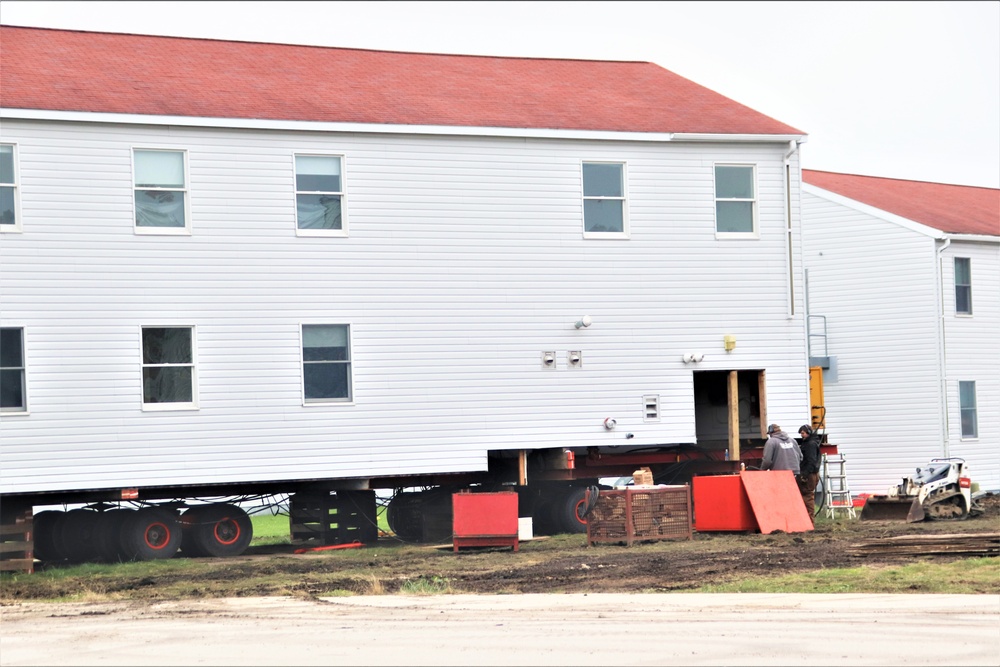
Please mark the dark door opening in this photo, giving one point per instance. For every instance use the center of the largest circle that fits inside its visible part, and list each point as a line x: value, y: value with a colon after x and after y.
x: 714, y: 408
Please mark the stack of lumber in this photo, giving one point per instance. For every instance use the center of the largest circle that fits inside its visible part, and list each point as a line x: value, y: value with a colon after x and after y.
x: 970, y: 544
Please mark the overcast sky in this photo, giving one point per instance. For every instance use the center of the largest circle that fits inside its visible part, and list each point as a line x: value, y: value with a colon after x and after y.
x: 897, y: 89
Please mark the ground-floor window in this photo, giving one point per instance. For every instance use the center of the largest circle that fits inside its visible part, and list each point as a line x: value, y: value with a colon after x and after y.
x: 967, y: 406
x: 13, y: 379
x: 168, y: 368
x: 326, y: 363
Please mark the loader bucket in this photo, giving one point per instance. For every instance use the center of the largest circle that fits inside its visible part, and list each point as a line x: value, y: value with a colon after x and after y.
x: 887, y: 508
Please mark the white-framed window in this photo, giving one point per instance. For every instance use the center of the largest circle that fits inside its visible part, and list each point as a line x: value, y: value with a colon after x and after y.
x: 169, y: 374
x: 326, y: 364
x: 735, y: 201
x: 10, y: 218
x: 160, y: 183
x: 13, y: 373
x: 319, y: 195
x: 605, y: 206
x: 963, y: 286
x: 967, y: 408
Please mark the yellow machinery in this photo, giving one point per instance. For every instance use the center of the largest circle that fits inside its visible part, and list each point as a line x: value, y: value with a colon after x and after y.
x: 818, y: 406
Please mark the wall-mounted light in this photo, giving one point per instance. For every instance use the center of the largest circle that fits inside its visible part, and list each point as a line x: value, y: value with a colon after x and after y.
x: 693, y: 357
x: 583, y: 322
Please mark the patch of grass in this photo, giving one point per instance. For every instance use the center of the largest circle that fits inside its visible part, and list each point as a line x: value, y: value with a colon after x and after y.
x: 433, y: 585
x: 99, y: 581
x: 969, y: 576
x: 270, y: 529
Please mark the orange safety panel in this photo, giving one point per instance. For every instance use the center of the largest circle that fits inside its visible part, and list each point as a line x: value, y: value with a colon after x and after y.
x: 776, y: 501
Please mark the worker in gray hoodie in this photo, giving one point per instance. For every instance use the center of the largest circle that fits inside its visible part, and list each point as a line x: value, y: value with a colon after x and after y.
x: 781, y: 452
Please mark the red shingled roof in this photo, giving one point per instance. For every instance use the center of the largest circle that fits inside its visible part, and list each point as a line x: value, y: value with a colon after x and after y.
x: 957, y: 209
x: 67, y: 70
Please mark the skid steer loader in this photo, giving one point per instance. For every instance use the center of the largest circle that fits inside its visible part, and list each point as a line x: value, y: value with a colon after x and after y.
x: 942, y: 490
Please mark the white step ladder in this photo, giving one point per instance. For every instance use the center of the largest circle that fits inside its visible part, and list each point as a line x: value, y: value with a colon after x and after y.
x: 836, y: 492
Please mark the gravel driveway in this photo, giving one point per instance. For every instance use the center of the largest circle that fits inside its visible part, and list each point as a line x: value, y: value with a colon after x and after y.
x: 570, y: 629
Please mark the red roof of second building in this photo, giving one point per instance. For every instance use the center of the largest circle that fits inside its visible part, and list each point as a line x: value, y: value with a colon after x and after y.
x: 67, y: 70
x: 956, y: 209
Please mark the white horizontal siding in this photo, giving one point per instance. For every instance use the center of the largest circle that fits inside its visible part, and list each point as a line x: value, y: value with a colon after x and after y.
x: 465, y: 261
x: 876, y: 284
x: 972, y: 356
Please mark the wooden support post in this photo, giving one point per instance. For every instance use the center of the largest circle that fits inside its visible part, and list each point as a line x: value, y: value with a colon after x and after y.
x: 762, y: 393
x: 522, y: 467
x: 734, y: 417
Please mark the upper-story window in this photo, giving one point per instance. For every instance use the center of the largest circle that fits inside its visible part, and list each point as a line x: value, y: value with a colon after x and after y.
x: 169, y: 378
x: 326, y: 363
x: 605, y: 209
x: 13, y: 380
x: 967, y: 407
x: 161, y: 205
x: 735, y: 201
x: 319, y: 195
x: 963, y: 286
x: 10, y: 221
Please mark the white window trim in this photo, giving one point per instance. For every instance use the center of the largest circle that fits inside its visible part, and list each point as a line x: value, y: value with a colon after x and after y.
x: 337, y: 233
x: 954, y: 263
x: 755, y: 234
x: 164, y: 231
x: 350, y: 366
x: 24, y: 360
x: 16, y: 227
x: 625, y: 233
x: 171, y: 407
x: 975, y: 408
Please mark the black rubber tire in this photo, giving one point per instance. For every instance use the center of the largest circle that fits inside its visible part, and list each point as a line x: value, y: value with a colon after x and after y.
x: 541, y: 523
x: 218, y: 530
x: 403, y: 516
x: 74, y: 535
x: 43, y: 525
x: 108, y: 534
x: 190, y: 547
x: 566, y: 508
x: 152, y: 533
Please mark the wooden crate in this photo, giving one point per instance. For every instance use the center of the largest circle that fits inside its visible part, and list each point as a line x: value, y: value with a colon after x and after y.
x: 640, y: 514
x: 17, y: 542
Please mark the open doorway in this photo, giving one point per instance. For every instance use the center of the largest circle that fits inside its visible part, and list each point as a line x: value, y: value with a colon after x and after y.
x: 714, y: 407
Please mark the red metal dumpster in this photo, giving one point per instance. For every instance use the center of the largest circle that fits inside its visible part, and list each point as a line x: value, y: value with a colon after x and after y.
x: 484, y: 520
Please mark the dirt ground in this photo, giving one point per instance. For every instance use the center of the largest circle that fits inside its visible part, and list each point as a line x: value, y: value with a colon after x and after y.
x: 561, y: 564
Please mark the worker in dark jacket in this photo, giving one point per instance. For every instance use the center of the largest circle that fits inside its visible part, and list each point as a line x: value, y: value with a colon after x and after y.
x: 809, y: 470
x: 781, y: 452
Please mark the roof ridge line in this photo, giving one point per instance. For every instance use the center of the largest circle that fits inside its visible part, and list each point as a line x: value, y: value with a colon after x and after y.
x: 901, y: 180
x: 326, y: 47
